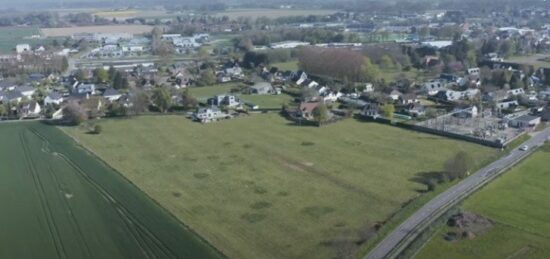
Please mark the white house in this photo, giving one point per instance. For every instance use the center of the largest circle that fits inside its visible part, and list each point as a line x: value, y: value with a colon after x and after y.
x: 525, y: 121
x: 288, y: 44
x: 26, y: 91
x: 53, y: 98
x: 209, y: 114
x: 434, y: 86
x: 514, y: 92
x: 85, y: 89
x: 20, y: 48
x: 112, y: 94
x: 507, y: 104
x: 30, y: 110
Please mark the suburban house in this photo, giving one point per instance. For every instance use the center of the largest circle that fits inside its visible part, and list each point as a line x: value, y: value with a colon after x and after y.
x: 525, y: 121
x: 21, y: 48
x: 415, y: 110
x: 262, y: 88
x: 371, y: 110
x: 331, y: 96
x: 53, y: 98
x: 26, y: 91
x: 224, y: 100
x: 507, y: 104
x: 30, y: 110
x: 209, y: 114
x: 434, y: 86
x: 306, y: 109
x: 85, y: 89
x: 11, y: 97
x: 112, y: 94
x: 395, y: 95
x: 408, y: 99
x: 515, y: 92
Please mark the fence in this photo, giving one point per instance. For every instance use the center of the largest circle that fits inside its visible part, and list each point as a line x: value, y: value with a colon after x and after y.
x: 495, y: 144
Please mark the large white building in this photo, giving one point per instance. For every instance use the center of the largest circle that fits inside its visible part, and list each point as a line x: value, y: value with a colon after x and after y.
x: 20, y: 48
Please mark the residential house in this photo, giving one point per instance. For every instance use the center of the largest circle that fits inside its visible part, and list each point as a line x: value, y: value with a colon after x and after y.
x: 415, y: 109
x: 86, y: 89
x: 505, y: 105
x: 331, y: 96
x: 112, y: 94
x: 525, y: 121
x: 11, y: 97
x: 224, y: 100
x: 26, y: 91
x: 408, y: 98
x: 470, y: 112
x: 262, y: 88
x: 515, y: 92
x: 209, y: 114
x: 371, y: 110
x: 395, y: 95
x: 434, y: 86
x: 21, y: 48
x: 306, y: 109
x: 53, y: 98
x: 30, y: 110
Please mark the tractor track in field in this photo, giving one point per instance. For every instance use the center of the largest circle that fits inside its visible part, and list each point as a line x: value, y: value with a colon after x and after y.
x: 138, y: 231
x: 52, y: 227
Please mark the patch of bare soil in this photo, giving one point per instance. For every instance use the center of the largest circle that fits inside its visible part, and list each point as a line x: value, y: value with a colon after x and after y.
x: 467, y: 225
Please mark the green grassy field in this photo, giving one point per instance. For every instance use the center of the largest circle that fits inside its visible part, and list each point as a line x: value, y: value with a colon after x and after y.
x: 259, y: 187
x: 58, y: 201
x: 11, y: 36
x: 271, y: 13
x: 263, y: 101
x: 285, y: 66
x: 518, y: 204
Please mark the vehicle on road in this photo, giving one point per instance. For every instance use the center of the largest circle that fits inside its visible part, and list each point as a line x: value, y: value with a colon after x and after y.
x: 524, y: 148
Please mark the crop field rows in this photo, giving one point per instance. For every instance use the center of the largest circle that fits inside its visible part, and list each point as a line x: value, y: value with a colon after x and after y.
x: 63, y: 203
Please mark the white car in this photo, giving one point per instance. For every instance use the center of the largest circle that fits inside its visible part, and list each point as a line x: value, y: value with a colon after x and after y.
x: 524, y: 148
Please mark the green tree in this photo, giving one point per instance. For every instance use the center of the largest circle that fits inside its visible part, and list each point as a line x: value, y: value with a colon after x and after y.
x: 371, y: 72
x: 388, y: 110
x: 161, y: 98
x: 188, y: 101
x: 458, y: 166
x: 80, y: 75
x: 101, y: 75
x: 320, y: 113
x: 386, y: 62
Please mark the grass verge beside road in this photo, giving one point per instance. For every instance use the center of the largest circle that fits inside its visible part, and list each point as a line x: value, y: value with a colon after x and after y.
x: 517, y: 204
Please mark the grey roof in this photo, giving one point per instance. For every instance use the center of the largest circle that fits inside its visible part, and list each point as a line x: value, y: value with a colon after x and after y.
x: 24, y: 88
x: 55, y: 95
x: 111, y: 92
x: 526, y: 118
x: 12, y: 95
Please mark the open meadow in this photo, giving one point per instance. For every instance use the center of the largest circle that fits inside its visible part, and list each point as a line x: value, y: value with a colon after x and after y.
x: 517, y: 204
x: 69, y: 31
x: 59, y: 201
x: 11, y: 36
x: 260, y: 187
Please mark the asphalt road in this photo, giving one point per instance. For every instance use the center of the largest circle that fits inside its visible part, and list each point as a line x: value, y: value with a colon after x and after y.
x: 403, y: 234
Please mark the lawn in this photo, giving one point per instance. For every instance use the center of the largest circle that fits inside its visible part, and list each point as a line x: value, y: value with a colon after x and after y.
x: 11, y: 36
x: 263, y: 101
x: 286, y: 66
x: 259, y: 187
x: 518, y: 204
x: 59, y: 201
